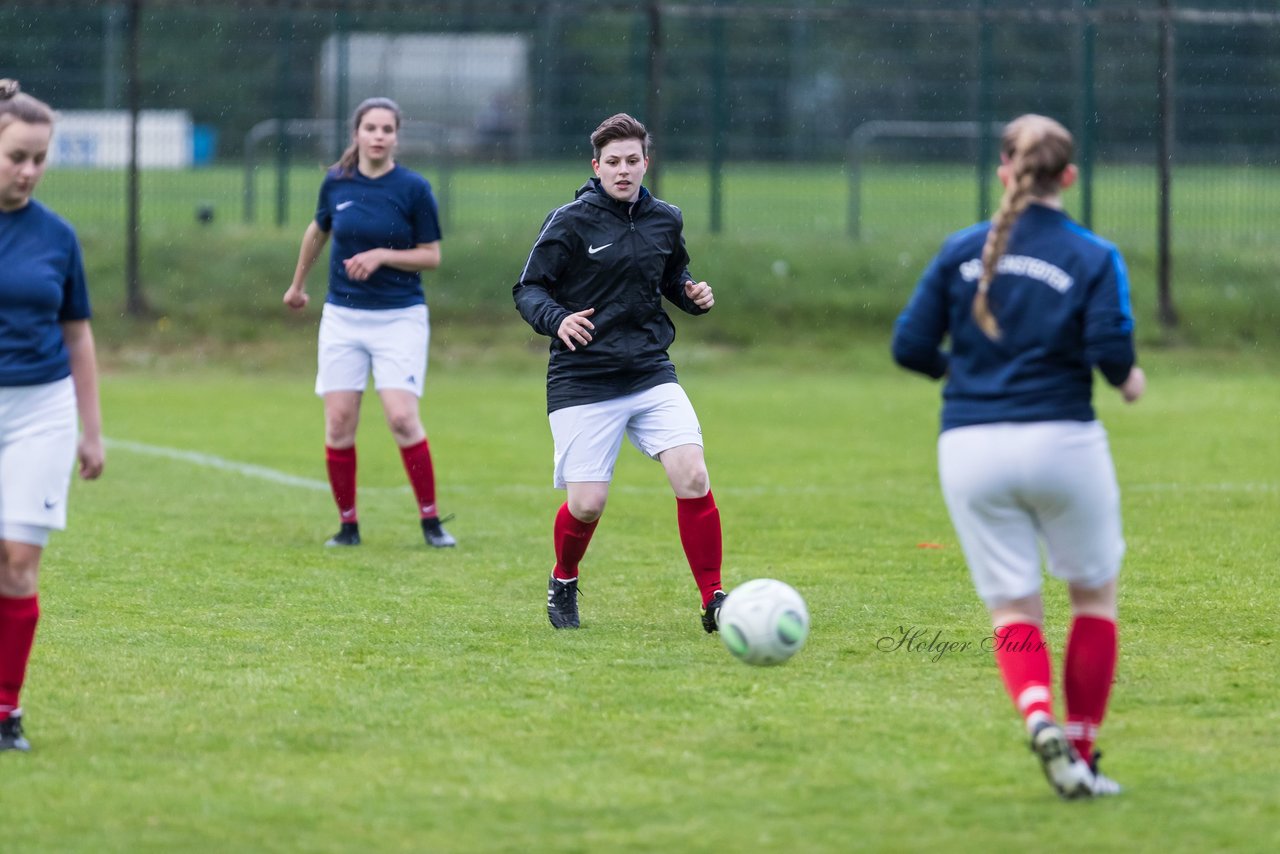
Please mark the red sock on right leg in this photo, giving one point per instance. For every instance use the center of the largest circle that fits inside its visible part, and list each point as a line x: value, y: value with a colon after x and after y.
x: 341, y: 463
x: 572, y: 536
x: 1023, y: 659
x: 18, y: 618
x: 1092, y: 649
x: 699, y: 523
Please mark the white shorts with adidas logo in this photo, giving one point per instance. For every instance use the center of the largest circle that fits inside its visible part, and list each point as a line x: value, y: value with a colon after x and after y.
x: 391, y: 343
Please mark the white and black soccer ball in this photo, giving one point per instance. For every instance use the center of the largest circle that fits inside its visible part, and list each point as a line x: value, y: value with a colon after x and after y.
x: 764, y: 622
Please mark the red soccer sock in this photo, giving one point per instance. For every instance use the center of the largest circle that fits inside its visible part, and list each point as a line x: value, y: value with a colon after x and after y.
x: 422, y: 477
x: 699, y: 521
x: 572, y: 536
x: 1092, y: 649
x: 341, y: 463
x: 1023, y: 659
x: 18, y: 618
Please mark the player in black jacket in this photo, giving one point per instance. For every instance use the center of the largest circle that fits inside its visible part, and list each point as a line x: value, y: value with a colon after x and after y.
x: 594, y: 284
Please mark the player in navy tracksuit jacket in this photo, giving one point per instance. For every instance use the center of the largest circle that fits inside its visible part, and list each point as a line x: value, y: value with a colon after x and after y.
x: 594, y: 284
x: 386, y: 230
x: 48, y: 377
x: 1031, y: 304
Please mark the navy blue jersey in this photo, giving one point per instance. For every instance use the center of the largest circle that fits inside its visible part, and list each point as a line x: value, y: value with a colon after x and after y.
x: 393, y: 211
x: 41, y: 285
x: 1061, y: 298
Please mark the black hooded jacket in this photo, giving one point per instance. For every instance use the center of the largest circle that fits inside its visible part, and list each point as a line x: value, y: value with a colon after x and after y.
x: 621, y: 259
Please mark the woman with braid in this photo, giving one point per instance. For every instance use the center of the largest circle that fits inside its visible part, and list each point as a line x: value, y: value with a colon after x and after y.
x: 1031, y: 304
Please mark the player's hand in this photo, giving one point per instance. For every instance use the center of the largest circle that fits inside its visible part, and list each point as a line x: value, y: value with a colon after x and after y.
x: 92, y: 457
x: 296, y: 298
x: 576, y: 327
x: 700, y: 293
x: 1134, y: 385
x: 360, y: 267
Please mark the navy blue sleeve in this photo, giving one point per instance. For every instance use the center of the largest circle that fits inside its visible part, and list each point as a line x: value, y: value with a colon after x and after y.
x: 918, y: 334
x: 75, y: 292
x: 546, y: 264
x: 425, y: 216
x: 1108, y: 322
x: 324, y: 209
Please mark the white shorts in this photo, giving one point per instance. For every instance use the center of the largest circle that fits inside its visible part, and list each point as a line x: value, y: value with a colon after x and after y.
x: 588, y: 437
x: 1012, y: 487
x: 390, y: 342
x: 38, y: 433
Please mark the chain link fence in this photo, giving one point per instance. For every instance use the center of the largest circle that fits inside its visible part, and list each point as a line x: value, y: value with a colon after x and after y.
x: 855, y: 119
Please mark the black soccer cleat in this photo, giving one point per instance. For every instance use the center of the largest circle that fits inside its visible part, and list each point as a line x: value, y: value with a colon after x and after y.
x: 562, y: 603
x: 1068, y: 774
x: 435, y: 534
x: 1102, y: 786
x: 348, y: 535
x: 711, y: 613
x: 11, y: 737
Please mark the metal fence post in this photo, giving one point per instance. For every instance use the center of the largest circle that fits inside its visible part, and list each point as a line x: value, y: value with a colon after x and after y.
x: 653, y: 99
x: 135, y: 302
x: 984, y: 112
x: 341, y: 47
x: 282, y: 107
x: 719, y: 118
x: 1088, y: 111
x: 1167, y: 314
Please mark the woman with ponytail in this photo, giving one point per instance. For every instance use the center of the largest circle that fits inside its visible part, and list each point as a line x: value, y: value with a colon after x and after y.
x: 1031, y: 304
x: 48, y: 382
x: 386, y: 231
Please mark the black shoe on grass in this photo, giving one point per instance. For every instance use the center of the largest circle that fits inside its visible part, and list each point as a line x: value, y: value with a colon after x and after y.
x: 711, y: 613
x: 1102, y: 786
x: 562, y: 603
x: 435, y: 534
x: 11, y: 737
x: 348, y: 535
x: 1068, y: 774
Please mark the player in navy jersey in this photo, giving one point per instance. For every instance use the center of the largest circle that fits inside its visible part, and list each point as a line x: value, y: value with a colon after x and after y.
x: 48, y: 379
x: 386, y: 230
x: 594, y: 284
x: 1032, y: 304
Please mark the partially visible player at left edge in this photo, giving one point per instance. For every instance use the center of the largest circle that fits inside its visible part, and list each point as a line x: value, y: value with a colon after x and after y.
x: 48, y: 381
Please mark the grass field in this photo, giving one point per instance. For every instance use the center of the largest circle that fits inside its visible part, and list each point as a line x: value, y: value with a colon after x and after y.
x: 783, y: 255
x: 1214, y: 207
x: 209, y: 678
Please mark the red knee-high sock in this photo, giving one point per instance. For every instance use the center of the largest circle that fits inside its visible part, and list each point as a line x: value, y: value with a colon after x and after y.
x: 1092, y: 648
x: 1023, y: 659
x: 572, y: 536
x: 341, y: 463
x: 699, y: 521
x: 18, y: 618
x: 422, y: 476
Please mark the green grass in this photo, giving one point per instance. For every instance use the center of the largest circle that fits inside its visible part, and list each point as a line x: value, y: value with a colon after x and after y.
x: 1213, y: 206
x: 209, y: 678
x: 783, y: 254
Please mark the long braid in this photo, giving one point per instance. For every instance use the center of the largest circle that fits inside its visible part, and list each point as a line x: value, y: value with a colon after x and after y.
x: 1037, y: 149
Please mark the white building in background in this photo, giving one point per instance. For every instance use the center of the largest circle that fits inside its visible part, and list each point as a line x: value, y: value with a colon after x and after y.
x: 100, y: 139
x: 474, y: 87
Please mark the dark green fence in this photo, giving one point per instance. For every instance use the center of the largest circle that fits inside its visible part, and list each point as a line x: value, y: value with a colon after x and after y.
x: 856, y: 120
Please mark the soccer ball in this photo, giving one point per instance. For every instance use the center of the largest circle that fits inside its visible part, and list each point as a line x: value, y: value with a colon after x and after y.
x: 764, y: 622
